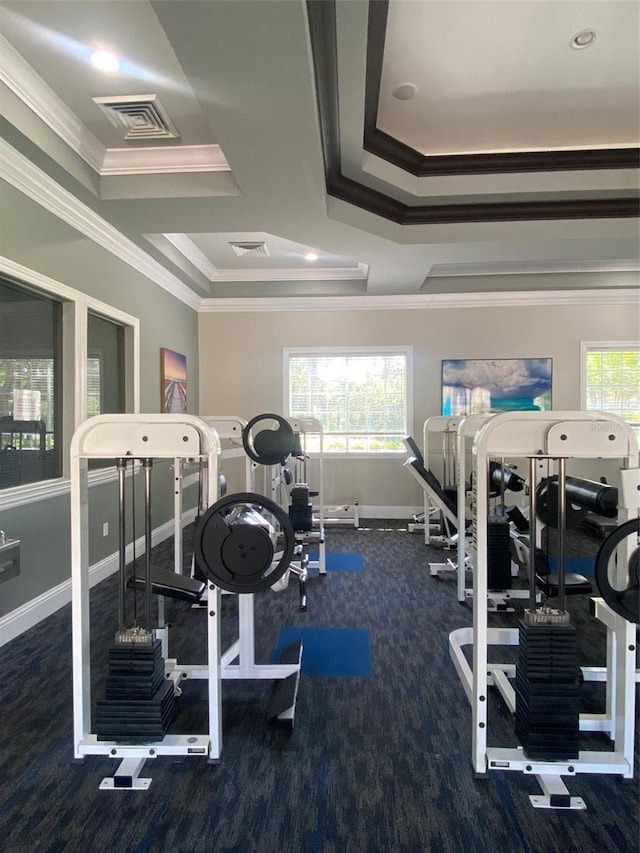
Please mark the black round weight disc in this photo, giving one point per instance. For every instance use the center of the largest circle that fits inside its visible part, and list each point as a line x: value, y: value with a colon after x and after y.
x: 268, y: 446
x: 625, y: 602
x: 233, y: 543
x: 246, y: 549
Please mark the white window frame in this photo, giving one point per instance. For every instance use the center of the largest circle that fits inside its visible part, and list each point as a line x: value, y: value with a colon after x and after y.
x: 614, y: 346
x: 407, y: 351
x: 75, y: 308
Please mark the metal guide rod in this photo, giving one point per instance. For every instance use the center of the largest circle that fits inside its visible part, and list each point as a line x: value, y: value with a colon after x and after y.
x: 531, y: 568
x: 502, y: 478
x: 121, y: 465
x: 562, y: 511
x: 147, y: 463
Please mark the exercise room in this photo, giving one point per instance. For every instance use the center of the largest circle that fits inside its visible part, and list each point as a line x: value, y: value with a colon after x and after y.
x: 319, y: 426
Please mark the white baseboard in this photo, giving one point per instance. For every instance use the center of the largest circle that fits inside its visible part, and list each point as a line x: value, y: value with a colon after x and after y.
x: 406, y: 512
x: 28, y: 615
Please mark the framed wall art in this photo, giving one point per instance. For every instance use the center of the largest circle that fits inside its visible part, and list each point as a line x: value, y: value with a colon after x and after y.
x: 173, y: 381
x: 477, y: 386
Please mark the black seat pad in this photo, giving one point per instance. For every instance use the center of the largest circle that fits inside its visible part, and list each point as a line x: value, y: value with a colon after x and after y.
x: 170, y: 584
x: 573, y: 583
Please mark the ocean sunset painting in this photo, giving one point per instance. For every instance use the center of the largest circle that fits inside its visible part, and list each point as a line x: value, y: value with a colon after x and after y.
x: 173, y: 372
x: 477, y: 386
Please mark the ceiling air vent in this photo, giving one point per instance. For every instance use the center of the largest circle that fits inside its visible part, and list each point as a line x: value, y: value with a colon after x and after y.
x: 138, y: 116
x: 251, y: 250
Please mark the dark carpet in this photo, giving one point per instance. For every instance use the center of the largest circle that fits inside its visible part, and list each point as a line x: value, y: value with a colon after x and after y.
x: 379, y: 763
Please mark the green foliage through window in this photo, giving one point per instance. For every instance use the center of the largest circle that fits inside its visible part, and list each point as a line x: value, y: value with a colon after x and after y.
x: 360, y: 398
x: 612, y: 382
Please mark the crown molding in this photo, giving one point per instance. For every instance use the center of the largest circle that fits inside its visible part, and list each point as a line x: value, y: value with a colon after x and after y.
x: 387, y: 147
x: 502, y: 268
x: 413, y: 302
x: 192, y: 253
x: 33, y: 91
x: 164, y: 160
x: 22, y: 174
x: 321, y: 17
x: 296, y: 274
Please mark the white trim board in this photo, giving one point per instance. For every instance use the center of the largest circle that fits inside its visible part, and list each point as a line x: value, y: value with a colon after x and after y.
x: 28, y: 615
x: 22, y: 174
x: 418, y: 301
x: 399, y: 512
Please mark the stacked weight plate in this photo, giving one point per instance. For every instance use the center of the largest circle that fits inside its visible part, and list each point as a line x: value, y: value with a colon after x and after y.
x: 498, y: 553
x: 139, y: 702
x: 301, y: 509
x: 548, y: 692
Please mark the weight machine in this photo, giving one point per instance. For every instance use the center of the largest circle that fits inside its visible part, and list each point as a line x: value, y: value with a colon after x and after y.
x: 272, y: 440
x: 439, y: 439
x: 501, y: 479
x: 555, y: 436
x: 244, y: 543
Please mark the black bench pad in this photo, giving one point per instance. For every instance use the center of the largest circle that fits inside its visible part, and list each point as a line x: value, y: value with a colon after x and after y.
x: 171, y: 584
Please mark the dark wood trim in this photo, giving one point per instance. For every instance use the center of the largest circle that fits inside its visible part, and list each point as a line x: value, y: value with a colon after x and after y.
x: 388, y: 148
x: 322, y: 29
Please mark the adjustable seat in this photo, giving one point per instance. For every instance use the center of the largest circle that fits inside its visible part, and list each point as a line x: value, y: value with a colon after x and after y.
x: 547, y: 581
x: 170, y: 584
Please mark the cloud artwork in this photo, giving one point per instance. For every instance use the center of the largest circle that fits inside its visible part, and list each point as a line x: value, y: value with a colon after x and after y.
x: 471, y: 386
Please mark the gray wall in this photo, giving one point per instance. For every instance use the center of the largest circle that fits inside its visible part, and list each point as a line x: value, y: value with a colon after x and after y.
x: 242, y: 364
x: 31, y: 236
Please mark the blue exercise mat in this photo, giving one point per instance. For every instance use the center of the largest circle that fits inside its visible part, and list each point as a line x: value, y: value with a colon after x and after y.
x: 579, y: 565
x: 341, y: 562
x: 330, y: 651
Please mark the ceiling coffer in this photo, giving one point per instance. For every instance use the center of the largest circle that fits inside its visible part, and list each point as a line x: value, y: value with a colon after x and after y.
x: 251, y: 249
x: 138, y: 116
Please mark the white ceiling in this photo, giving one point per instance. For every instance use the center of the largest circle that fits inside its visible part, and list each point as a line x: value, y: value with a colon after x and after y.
x: 504, y: 76
x: 290, y: 139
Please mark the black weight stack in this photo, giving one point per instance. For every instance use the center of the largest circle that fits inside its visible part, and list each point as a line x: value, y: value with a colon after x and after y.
x: 301, y: 509
x: 547, y: 688
x: 498, y: 553
x: 139, y: 702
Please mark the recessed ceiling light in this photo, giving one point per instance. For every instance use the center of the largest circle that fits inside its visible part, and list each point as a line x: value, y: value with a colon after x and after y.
x: 104, y: 61
x: 405, y: 91
x: 585, y: 38
x: 311, y: 256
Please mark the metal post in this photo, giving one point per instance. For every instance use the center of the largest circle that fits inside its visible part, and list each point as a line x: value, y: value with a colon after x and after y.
x: 147, y: 463
x: 562, y: 512
x: 121, y: 465
x: 531, y: 567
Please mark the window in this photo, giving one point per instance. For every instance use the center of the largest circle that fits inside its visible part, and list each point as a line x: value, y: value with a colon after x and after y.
x: 30, y: 386
x: 63, y: 356
x: 360, y: 396
x: 105, y: 366
x: 611, y: 379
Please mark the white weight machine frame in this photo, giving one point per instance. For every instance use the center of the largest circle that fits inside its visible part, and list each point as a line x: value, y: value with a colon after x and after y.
x: 446, y: 427
x: 550, y: 435
x: 308, y: 426
x: 239, y: 659
x: 147, y: 436
x: 136, y: 436
x: 497, y: 601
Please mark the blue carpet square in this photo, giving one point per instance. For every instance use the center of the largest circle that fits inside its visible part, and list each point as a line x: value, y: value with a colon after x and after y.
x: 342, y: 562
x: 580, y: 565
x: 330, y: 651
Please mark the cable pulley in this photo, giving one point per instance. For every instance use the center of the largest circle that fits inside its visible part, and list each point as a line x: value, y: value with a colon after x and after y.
x: 625, y: 602
x: 244, y: 543
x: 268, y: 446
